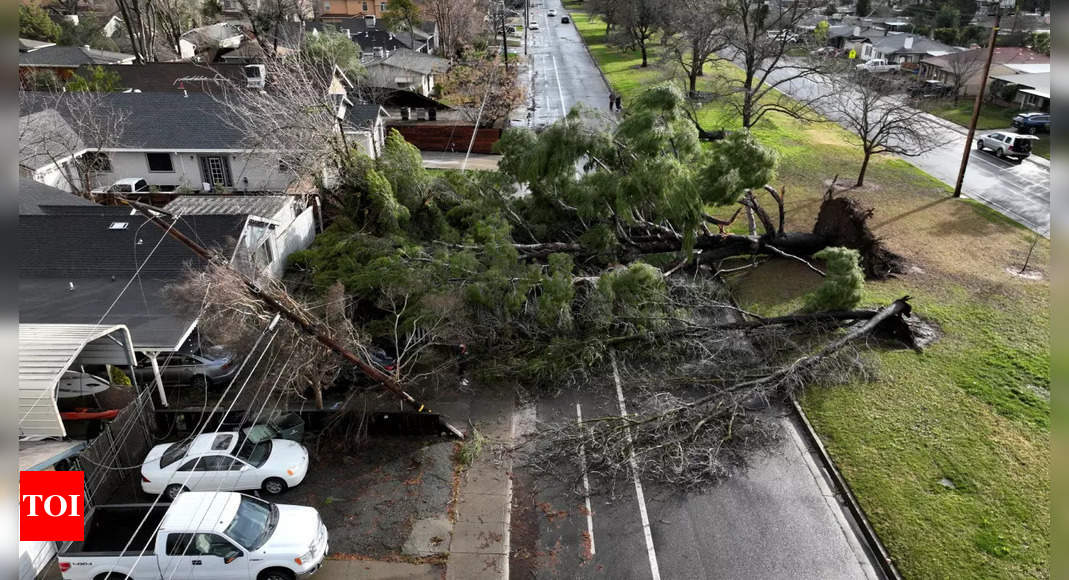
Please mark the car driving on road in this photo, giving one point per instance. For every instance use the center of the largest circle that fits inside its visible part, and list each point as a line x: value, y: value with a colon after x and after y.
x: 1032, y: 123
x: 552, y: 12
x: 1007, y: 144
x: 224, y: 461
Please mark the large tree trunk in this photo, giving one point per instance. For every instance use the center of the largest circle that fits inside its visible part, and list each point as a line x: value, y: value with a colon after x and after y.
x: 642, y: 45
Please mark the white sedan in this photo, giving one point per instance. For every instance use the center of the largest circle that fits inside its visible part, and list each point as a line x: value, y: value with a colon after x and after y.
x: 552, y: 12
x: 227, y: 461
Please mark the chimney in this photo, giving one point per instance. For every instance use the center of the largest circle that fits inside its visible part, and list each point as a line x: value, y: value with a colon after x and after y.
x: 908, y: 43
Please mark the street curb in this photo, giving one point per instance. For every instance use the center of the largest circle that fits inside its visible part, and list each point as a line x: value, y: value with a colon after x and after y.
x: 881, y: 556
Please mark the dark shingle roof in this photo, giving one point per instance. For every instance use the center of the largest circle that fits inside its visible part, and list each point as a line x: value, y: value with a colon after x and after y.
x: 70, y: 56
x: 363, y: 115
x: 173, y: 76
x: 37, y: 198
x: 406, y: 59
x: 158, y: 120
x: 78, y: 248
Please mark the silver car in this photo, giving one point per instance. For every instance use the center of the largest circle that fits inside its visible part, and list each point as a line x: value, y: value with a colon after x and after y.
x: 188, y: 369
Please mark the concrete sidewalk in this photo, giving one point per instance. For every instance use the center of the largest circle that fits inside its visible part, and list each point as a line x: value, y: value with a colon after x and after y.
x: 374, y: 570
x: 480, y: 543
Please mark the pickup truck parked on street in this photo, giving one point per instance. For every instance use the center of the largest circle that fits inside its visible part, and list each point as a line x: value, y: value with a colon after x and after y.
x: 209, y: 535
x: 878, y: 65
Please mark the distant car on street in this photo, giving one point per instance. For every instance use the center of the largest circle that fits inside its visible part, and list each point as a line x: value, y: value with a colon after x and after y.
x: 565, y: 20
x: 1007, y: 144
x: 552, y: 12
x: 1032, y: 123
x: 224, y: 461
x: 878, y: 65
x: 208, y: 369
x: 533, y: 25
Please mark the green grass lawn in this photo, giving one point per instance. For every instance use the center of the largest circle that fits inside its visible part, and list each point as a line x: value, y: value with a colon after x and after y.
x: 991, y: 117
x: 949, y: 450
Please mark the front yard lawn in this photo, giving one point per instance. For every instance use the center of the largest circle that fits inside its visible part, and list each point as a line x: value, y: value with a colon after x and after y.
x: 949, y: 450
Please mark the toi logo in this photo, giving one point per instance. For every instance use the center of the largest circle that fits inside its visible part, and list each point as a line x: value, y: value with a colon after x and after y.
x: 51, y: 505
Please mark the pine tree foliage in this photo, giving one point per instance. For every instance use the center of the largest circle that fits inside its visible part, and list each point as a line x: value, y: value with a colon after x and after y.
x: 844, y: 283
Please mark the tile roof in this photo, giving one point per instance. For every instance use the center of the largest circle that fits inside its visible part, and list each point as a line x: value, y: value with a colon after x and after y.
x: 70, y: 56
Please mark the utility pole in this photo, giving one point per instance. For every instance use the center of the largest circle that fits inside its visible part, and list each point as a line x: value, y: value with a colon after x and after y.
x: 980, y: 95
x: 310, y: 327
x: 504, y: 41
x: 526, y: 21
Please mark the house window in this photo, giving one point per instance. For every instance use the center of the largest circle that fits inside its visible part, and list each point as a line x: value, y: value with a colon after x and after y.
x: 365, y: 6
x: 96, y: 161
x: 382, y: 7
x: 160, y: 162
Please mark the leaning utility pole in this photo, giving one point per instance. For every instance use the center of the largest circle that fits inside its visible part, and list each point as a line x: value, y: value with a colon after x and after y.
x: 979, y: 96
x: 309, y: 327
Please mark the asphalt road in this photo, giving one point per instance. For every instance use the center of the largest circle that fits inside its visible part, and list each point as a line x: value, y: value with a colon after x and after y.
x: 1018, y: 190
x: 778, y: 519
x: 561, y: 71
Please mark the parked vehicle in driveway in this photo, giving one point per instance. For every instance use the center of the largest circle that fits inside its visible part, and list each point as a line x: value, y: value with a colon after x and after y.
x: 1032, y: 123
x: 208, y: 369
x: 930, y: 89
x: 878, y: 65
x: 1007, y: 144
x: 211, y: 535
x: 226, y: 461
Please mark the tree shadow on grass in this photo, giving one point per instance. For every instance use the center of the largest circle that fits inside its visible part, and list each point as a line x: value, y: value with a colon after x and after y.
x: 913, y: 211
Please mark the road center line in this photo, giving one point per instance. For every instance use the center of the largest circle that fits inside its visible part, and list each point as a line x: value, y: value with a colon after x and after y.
x: 586, y: 481
x: 646, y: 531
x: 560, y: 92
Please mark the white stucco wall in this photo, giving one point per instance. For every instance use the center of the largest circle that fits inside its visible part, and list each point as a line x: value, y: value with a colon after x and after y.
x: 261, y: 170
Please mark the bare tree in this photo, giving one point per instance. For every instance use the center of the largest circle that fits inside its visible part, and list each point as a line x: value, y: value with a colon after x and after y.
x: 963, y: 67
x: 176, y: 17
x: 758, y: 36
x: 865, y: 106
x: 295, y: 117
x: 139, y: 17
x: 70, y: 130
x: 608, y: 11
x: 483, y: 90
x: 693, y: 40
x: 270, y: 21
x: 457, y: 21
x: 639, y: 20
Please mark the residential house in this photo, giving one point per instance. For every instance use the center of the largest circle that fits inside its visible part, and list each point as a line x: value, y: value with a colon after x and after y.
x: 376, y: 40
x: 405, y: 107
x: 1032, y: 89
x: 905, y: 49
x: 366, y: 124
x: 341, y: 8
x: 277, y: 226
x: 406, y: 69
x: 947, y: 67
x: 63, y: 61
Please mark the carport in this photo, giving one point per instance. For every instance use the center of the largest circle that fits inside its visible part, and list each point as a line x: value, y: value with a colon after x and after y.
x: 45, y: 352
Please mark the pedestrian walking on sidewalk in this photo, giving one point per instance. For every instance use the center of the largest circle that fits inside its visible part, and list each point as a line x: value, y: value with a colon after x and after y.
x: 612, y: 100
x: 619, y: 107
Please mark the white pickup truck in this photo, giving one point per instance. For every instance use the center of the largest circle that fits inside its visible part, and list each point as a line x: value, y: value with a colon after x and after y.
x: 878, y: 65
x: 209, y: 535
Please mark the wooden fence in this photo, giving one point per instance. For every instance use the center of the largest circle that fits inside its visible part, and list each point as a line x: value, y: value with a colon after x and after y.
x: 113, y: 459
x: 443, y: 137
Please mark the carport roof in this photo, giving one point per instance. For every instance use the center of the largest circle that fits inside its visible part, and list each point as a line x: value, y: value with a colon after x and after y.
x: 45, y: 352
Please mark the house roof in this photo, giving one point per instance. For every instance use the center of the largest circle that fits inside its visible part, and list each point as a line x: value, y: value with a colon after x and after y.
x: 368, y: 37
x: 1035, y: 83
x: 403, y: 98
x: 45, y: 352
x: 365, y: 115
x: 156, y: 120
x: 895, y: 44
x: 70, y: 56
x: 37, y: 198
x: 266, y: 206
x: 406, y: 59
x: 173, y: 76
x: 81, y: 250
x: 26, y: 44
x: 1004, y: 55
x: 45, y: 137
x: 1018, y: 55
x: 212, y: 34
x: 1029, y: 67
